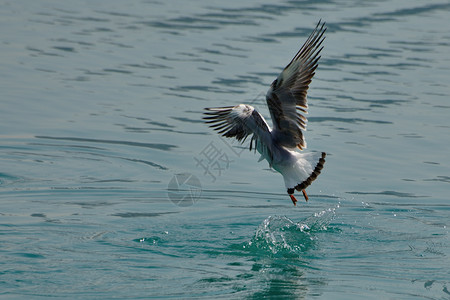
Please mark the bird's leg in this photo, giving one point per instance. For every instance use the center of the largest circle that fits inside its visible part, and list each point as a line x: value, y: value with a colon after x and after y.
x: 293, y: 199
x: 305, y: 195
x: 290, y: 192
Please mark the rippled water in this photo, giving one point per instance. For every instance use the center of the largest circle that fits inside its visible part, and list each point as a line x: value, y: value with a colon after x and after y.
x: 105, y: 186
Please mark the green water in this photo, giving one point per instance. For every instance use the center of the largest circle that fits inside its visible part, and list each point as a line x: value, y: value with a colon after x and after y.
x: 101, y: 191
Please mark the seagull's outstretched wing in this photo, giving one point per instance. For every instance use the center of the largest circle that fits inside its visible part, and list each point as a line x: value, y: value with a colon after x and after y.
x: 286, y: 97
x: 240, y: 121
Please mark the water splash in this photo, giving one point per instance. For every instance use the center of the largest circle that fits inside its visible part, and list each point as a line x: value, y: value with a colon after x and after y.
x: 279, y: 235
x: 320, y: 221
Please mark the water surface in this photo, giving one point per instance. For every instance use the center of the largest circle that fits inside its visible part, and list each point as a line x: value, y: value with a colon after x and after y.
x: 105, y: 189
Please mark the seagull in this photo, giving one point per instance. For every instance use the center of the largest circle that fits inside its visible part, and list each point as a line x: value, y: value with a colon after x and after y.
x: 286, y: 100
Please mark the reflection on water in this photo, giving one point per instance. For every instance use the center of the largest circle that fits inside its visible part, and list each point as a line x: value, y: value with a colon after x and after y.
x: 278, y: 258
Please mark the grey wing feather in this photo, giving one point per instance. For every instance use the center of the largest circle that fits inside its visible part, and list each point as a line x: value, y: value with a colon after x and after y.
x: 286, y: 97
x: 241, y: 121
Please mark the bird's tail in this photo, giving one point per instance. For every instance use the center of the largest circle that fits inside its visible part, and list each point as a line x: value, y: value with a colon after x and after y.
x: 304, y: 171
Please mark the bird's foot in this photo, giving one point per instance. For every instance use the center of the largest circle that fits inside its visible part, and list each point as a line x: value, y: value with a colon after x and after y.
x: 305, y: 195
x: 293, y: 199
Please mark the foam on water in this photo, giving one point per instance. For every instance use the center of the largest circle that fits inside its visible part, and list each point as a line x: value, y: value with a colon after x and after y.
x: 281, y: 236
